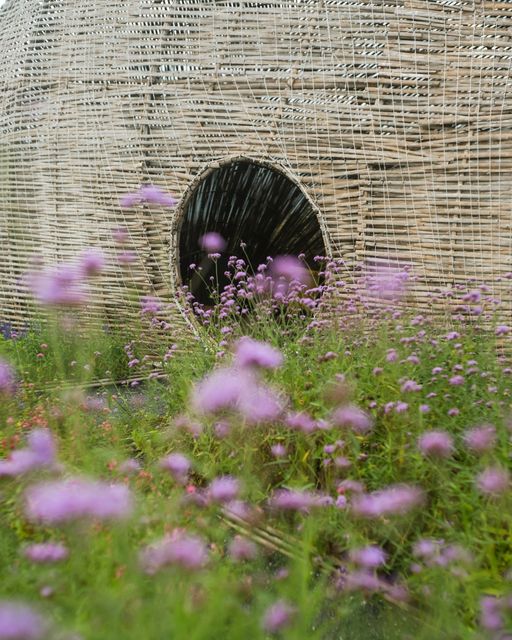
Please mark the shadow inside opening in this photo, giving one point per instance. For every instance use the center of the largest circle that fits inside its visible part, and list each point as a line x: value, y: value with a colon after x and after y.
x: 246, y: 203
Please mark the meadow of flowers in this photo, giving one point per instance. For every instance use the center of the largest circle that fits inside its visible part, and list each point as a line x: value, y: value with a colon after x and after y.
x: 316, y: 460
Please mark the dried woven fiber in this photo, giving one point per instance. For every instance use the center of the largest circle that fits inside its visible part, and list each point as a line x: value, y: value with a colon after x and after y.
x: 393, y: 119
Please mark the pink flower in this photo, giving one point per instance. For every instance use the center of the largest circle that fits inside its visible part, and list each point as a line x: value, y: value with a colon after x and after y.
x: 19, y: 622
x: 46, y: 552
x: 224, y: 489
x: 436, y: 444
x: 212, y: 242
x: 178, y: 466
x: 481, y: 439
x: 493, y: 481
x: 352, y: 417
x: 241, y: 549
x: 277, y: 617
x: 182, y: 550
x: 278, y: 450
x: 74, y: 498
x: 251, y: 353
x: 394, y: 500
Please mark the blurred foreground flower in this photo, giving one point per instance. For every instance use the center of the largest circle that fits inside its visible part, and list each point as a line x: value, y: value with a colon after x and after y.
x: 150, y: 195
x: 7, y: 381
x: 394, y: 500
x: 212, y: 242
x: 278, y: 616
x: 19, y: 622
x: 185, y: 551
x: 252, y: 353
x: 41, y: 452
x: 386, y: 282
x: 46, y: 552
x: 74, y: 498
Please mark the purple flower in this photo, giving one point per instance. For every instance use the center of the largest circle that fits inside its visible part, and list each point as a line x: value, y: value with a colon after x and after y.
x: 237, y: 390
x: 178, y: 466
x: 456, y: 381
x: 241, y: 549
x: 493, y: 481
x: 411, y: 385
x: 394, y: 500
x: 19, y: 622
x: 212, y: 242
x: 150, y: 195
x: 502, y: 330
x: 278, y: 450
x: 182, y: 550
x: 277, y: 617
x: 62, y: 285
x: 290, y: 269
x: 73, y: 498
x: 251, y: 353
x: 46, y: 552
x: 301, y: 421
x: 7, y: 382
x: 352, y: 417
x: 491, y: 613
x: 150, y: 305
x: 391, y: 355
x: 481, y: 439
x: 224, y: 489
x: 129, y: 466
x: 387, y: 283
x: 436, y: 444
x: 369, y: 557
x: 40, y: 452
x: 92, y: 262
x: 294, y: 500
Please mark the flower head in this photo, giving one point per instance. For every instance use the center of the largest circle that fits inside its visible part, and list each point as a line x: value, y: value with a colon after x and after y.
x: 19, y: 622
x: 7, y: 381
x: 352, y: 417
x: 436, y: 444
x: 182, y: 550
x: 178, y: 466
x: 92, y: 262
x: 480, y: 439
x: 493, y: 481
x: 294, y: 500
x: 277, y: 617
x: 241, y: 549
x: 224, y: 489
x: 46, y: 552
x: 252, y: 353
x: 73, y: 498
x: 41, y: 452
x: 212, y: 242
x: 369, y: 557
x: 394, y: 500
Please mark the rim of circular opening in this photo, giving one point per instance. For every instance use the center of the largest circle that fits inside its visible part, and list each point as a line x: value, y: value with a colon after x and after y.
x: 202, y: 174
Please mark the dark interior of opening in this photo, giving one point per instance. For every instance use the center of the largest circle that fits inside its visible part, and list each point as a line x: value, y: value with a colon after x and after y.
x: 249, y: 203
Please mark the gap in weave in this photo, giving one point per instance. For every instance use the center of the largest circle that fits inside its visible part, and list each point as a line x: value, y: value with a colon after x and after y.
x: 251, y: 203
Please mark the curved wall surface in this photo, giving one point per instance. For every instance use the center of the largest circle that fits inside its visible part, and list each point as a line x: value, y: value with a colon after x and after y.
x: 393, y: 116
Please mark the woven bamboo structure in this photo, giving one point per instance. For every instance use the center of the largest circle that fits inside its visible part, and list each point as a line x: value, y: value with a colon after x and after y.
x: 392, y: 117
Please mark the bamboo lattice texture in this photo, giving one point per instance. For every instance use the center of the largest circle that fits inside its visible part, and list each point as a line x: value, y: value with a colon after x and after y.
x: 395, y: 116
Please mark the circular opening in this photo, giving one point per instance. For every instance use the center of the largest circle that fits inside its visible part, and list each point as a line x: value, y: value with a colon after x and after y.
x: 248, y: 204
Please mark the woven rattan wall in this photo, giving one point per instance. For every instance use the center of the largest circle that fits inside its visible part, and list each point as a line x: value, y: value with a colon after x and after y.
x: 394, y: 115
